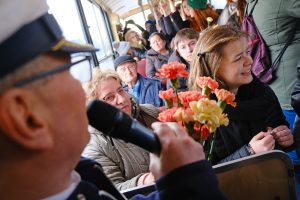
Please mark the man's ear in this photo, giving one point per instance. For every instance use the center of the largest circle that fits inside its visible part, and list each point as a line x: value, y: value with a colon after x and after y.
x: 22, y: 119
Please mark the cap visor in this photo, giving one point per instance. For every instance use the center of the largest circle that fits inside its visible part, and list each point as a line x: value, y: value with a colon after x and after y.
x: 71, y: 47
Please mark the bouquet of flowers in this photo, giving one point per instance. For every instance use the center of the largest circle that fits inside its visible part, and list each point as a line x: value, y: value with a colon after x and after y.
x: 195, y: 110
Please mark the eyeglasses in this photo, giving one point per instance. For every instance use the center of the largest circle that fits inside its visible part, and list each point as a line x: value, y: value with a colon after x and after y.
x: 128, y: 67
x: 80, y: 69
x: 112, y: 97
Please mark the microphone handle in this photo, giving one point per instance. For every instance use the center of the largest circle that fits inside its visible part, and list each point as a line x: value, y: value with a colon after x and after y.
x: 143, y: 137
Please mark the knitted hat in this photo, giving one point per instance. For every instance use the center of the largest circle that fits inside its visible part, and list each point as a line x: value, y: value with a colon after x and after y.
x: 198, y: 4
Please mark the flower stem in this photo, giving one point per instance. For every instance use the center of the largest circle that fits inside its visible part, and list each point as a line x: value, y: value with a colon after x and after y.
x: 212, y: 144
x: 222, y: 104
x: 178, y: 100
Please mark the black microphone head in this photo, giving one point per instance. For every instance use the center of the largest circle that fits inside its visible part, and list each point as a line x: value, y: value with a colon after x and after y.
x: 108, y: 119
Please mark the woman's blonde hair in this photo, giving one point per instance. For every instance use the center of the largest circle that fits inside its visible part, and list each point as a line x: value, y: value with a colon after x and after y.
x: 132, y: 44
x: 92, y: 87
x: 207, y: 55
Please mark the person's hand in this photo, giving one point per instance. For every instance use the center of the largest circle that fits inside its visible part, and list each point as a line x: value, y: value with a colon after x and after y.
x: 262, y: 142
x: 177, y: 149
x: 157, y: 11
x: 146, y: 178
x: 283, y: 136
x: 172, y: 5
x: 164, y: 6
x: 136, y: 59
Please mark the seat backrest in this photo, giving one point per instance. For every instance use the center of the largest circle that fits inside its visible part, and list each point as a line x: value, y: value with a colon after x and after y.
x: 141, y: 67
x: 269, y: 175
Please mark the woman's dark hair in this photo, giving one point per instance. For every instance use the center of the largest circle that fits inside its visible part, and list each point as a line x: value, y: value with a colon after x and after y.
x: 159, y: 35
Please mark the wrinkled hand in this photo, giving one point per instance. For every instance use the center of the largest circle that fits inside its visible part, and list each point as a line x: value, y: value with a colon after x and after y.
x: 283, y: 136
x: 146, y: 178
x: 178, y: 149
x: 262, y: 142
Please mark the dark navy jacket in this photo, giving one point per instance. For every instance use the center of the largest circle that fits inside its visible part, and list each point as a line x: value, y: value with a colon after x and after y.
x: 149, y: 91
x: 195, y: 181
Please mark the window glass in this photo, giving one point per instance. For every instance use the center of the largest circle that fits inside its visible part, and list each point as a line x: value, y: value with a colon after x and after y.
x: 68, y: 19
x: 97, y: 28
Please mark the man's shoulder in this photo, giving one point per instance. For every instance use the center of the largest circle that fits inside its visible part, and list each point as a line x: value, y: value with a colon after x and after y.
x: 149, y: 80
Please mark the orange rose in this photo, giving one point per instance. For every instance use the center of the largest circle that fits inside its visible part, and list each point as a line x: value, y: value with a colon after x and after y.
x: 189, y: 96
x: 224, y: 95
x: 204, y: 132
x: 207, y: 82
x: 167, y: 115
x: 168, y: 94
x: 172, y: 70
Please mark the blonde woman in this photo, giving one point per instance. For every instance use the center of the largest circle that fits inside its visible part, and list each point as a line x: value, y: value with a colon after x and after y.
x: 125, y: 164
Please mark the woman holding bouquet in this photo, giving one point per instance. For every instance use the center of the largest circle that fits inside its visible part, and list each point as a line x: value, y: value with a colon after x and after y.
x: 257, y: 123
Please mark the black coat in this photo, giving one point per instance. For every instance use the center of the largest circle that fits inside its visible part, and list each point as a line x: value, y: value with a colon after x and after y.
x: 257, y: 108
x: 296, y: 105
x: 154, y: 61
x: 171, y: 24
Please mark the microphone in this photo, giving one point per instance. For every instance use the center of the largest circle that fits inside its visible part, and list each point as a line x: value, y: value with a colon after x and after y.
x: 115, y: 123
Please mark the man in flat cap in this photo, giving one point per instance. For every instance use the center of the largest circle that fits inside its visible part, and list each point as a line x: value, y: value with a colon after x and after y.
x: 144, y: 90
x: 43, y: 121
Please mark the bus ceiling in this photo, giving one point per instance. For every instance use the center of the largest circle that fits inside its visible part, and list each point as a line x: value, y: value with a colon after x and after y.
x: 125, y: 8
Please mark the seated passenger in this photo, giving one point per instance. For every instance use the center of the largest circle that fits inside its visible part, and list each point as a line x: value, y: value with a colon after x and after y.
x: 257, y: 123
x: 184, y: 43
x: 137, y: 44
x: 125, y: 164
x: 145, y: 90
x: 157, y: 55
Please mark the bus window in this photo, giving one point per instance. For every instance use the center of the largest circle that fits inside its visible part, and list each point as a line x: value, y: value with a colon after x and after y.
x: 68, y: 19
x: 98, y: 29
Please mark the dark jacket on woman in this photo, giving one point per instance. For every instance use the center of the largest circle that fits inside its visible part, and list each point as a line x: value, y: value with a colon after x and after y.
x: 183, y: 82
x: 171, y: 24
x: 149, y: 89
x: 154, y: 61
x: 296, y: 105
x: 139, y: 53
x: 257, y: 108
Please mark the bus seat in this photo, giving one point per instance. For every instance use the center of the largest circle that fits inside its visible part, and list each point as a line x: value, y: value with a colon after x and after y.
x: 141, y: 67
x: 268, y: 175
